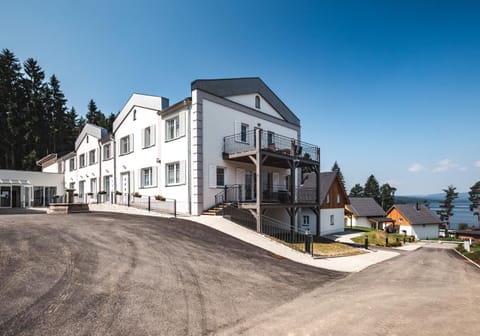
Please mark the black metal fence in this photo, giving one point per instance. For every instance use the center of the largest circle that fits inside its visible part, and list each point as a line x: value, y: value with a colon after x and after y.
x: 149, y: 203
x: 244, y: 142
x: 296, y: 238
x: 242, y: 217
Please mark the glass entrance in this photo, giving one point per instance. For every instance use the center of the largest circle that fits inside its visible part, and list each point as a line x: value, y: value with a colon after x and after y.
x: 5, y: 196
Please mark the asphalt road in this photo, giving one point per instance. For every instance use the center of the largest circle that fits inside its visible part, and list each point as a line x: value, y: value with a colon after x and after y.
x: 117, y: 274
x: 431, y: 291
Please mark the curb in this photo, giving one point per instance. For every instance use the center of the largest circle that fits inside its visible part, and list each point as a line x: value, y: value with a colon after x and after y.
x: 468, y: 259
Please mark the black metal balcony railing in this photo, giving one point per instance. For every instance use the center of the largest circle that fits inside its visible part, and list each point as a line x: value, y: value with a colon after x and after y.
x: 271, y: 194
x: 245, y: 142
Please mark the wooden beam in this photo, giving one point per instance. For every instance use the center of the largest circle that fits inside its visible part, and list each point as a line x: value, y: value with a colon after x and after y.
x: 258, y: 170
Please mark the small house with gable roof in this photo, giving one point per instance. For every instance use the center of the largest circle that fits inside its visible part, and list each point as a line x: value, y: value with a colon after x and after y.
x: 415, y: 220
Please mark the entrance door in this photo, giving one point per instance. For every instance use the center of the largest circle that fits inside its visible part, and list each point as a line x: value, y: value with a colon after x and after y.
x: 27, y: 196
x: 125, y: 186
x: 16, y: 197
x: 5, y: 196
x: 106, y: 187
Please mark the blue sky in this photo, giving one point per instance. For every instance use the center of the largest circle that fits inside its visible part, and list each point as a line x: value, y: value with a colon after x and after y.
x: 390, y: 88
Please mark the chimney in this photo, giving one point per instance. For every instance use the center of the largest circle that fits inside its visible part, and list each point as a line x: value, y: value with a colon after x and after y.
x: 417, y: 206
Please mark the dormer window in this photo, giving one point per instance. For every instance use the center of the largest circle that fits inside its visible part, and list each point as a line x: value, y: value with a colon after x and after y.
x: 257, y: 102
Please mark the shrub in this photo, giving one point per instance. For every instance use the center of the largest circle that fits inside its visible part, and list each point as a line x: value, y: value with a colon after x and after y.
x: 136, y: 194
x: 103, y: 192
x: 159, y: 198
x: 119, y: 193
x: 462, y: 226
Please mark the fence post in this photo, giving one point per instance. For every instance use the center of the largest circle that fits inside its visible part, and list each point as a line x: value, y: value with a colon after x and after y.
x: 366, y: 242
x: 128, y: 199
x: 175, y: 208
x: 149, y: 203
x: 386, y: 241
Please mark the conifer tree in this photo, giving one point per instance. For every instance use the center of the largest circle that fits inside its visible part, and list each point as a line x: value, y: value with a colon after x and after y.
x: 11, y: 119
x: 372, y: 189
x: 57, y: 111
x: 356, y: 191
x: 474, y: 198
x: 446, y: 207
x: 336, y: 168
x: 387, y: 196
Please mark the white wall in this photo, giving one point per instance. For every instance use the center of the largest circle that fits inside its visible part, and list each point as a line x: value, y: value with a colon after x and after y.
x: 219, y: 121
x: 88, y: 172
x: 175, y: 151
x: 249, y: 100
x: 421, y: 232
x: 325, y: 227
x: 359, y: 221
x: 140, y: 157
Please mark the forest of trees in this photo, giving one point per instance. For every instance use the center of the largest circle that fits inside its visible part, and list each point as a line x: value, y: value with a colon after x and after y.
x: 34, y: 117
x: 384, y: 195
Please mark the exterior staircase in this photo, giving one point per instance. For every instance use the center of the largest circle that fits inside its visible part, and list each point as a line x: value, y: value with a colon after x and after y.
x: 217, y: 209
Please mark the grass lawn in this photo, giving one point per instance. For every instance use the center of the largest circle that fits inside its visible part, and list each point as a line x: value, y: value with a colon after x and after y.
x: 378, y: 238
x: 474, y: 253
x: 359, y: 228
x: 327, y: 248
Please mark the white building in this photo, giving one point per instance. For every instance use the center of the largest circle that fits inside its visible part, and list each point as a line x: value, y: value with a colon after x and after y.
x: 29, y: 188
x: 232, y: 139
x: 415, y: 220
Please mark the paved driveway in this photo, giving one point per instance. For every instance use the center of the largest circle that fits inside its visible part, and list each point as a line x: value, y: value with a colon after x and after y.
x: 117, y: 274
x: 431, y: 291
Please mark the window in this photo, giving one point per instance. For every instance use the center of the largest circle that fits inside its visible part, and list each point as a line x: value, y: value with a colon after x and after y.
x: 71, y: 185
x: 87, y: 138
x: 72, y: 164
x: 243, y: 132
x: 174, y: 173
x: 220, y: 177
x: 134, y: 114
x: 328, y: 199
x: 126, y: 145
x: 148, y: 137
x: 92, y: 157
x: 332, y: 220
x: 400, y: 220
x: 257, y: 102
x: 81, y: 188
x: 146, y: 177
x: 93, y: 185
x: 306, y: 220
x: 338, y: 198
x: 270, y: 138
x: 81, y: 160
x: 107, y: 151
x: 173, y: 128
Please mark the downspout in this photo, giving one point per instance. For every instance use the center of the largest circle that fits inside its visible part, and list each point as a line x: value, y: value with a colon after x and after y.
x: 114, y: 196
x: 99, y: 184
x: 189, y: 146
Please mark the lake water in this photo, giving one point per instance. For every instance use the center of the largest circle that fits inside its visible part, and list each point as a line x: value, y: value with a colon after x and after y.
x: 461, y: 214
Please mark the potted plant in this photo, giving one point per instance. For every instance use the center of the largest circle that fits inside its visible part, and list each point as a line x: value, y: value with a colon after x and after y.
x: 159, y: 198
x: 90, y: 194
x: 103, y: 192
x: 136, y: 194
x: 119, y: 193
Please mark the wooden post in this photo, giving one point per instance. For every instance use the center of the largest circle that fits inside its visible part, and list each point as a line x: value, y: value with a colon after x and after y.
x: 258, y: 143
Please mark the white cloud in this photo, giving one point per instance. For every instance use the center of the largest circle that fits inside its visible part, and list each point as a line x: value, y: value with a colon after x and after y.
x: 445, y: 165
x: 416, y: 168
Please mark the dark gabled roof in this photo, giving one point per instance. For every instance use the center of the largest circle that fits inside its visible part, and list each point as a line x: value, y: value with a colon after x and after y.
x: 365, y: 207
x: 326, y: 181
x: 238, y: 86
x: 417, y: 213
x: 52, y: 156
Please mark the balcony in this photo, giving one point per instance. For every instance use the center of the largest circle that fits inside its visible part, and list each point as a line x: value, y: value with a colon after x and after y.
x: 277, y: 147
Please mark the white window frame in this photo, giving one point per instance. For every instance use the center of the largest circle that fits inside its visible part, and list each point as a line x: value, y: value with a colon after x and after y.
x: 94, y: 182
x: 71, y: 164
x: 306, y: 220
x: 149, y: 141
x: 328, y: 199
x: 172, y: 128
x: 129, y: 141
x: 338, y: 198
x: 81, y: 161
x: 176, y: 168
x: 217, y: 170
x: 151, y: 171
x: 109, y: 156
x: 332, y: 219
x: 94, y: 151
